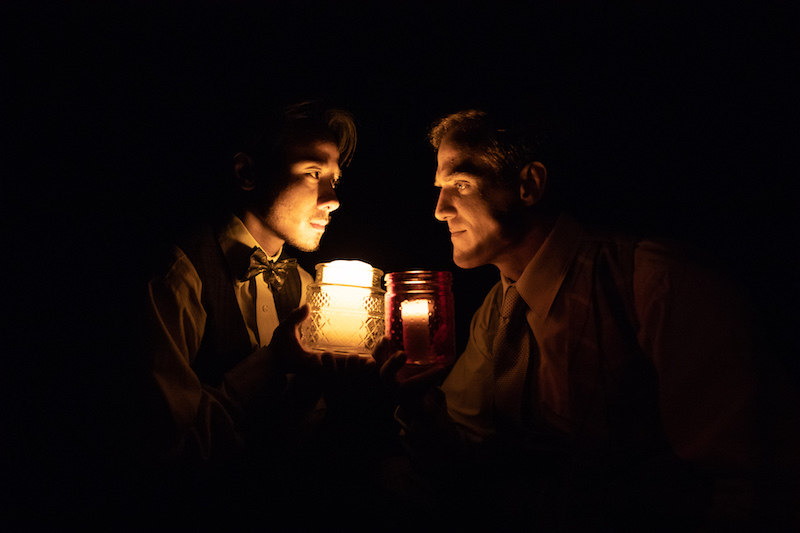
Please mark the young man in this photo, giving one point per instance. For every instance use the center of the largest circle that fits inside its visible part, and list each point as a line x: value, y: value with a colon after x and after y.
x: 604, y: 379
x: 225, y: 366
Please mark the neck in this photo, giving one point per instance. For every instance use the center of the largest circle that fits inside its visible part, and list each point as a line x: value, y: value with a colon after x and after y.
x: 513, y: 262
x: 263, y: 234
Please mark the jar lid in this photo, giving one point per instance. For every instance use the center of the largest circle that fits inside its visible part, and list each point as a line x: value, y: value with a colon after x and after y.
x: 348, y: 272
x: 419, y: 277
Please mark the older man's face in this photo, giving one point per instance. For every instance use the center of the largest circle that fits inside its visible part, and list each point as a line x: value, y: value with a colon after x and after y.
x: 470, y: 204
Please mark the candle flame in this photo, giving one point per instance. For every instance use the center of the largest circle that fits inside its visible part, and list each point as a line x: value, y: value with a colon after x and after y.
x: 346, y: 272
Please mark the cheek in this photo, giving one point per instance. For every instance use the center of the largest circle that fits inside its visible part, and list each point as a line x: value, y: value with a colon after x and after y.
x: 480, y: 215
x: 293, y: 197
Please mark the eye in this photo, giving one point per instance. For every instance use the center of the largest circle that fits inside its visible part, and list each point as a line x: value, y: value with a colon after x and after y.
x: 314, y: 174
x: 335, y: 181
x: 462, y: 186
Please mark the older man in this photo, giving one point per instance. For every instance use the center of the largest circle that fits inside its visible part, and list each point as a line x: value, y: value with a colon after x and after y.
x: 605, y: 378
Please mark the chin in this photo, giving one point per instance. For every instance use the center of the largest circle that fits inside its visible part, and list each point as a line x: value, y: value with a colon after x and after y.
x: 466, y: 263
x: 304, y: 246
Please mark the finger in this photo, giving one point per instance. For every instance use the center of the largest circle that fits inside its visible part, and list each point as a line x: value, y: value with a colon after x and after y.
x: 434, y: 373
x: 349, y: 363
x: 424, y: 379
x: 382, y: 350
x: 328, y: 361
x: 390, y: 368
x: 357, y: 363
x: 414, y: 388
x: 297, y: 316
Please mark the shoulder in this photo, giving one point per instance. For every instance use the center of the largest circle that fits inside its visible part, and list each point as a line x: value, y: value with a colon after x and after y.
x: 669, y: 260
x: 493, y: 299
x: 486, y: 316
x: 676, y: 276
x: 636, y: 254
x: 179, y: 273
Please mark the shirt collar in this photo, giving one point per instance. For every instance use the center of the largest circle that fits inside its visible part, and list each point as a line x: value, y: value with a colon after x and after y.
x: 543, y: 276
x: 237, y: 245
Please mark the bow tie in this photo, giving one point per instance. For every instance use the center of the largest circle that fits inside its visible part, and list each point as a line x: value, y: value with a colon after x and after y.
x: 275, y: 272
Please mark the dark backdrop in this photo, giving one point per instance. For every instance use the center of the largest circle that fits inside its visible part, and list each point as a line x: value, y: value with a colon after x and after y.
x: 121, y: 118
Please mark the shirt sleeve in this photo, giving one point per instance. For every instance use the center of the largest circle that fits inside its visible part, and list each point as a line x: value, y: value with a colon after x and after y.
x: 456, y: 416
x: 694, y: 326
x: 189, y: 419
x: 468, y: 387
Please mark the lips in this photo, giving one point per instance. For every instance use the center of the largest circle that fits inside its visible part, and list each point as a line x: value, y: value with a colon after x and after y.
x: 319, y: 225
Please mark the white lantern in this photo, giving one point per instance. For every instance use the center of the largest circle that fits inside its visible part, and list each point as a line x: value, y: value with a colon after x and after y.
x: 347, y: 308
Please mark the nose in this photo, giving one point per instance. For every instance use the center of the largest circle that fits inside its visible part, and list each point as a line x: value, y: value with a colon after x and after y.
x: 326, y: 197
x: 444, y: 207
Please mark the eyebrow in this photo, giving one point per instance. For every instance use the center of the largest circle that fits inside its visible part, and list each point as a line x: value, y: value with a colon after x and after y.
x: 322, y: 163
x: 306, y: 161
x: 462, y: 167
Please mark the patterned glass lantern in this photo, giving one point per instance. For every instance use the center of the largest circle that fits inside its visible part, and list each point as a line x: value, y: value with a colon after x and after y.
x: 346, y: 308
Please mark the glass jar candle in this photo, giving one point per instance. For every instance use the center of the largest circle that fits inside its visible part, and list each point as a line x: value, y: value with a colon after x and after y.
x: 346, y: 308
x: 420, y: 315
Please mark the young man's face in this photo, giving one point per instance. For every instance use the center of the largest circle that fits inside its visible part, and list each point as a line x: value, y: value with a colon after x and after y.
x: 470, y: 205
x: 301, y: 210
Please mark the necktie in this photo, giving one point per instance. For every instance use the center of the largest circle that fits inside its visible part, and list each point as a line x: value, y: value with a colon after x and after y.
x: 512, y: 351
x: 275, y: 272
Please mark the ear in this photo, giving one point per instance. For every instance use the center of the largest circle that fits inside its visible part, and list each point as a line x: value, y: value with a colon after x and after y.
x: 532, y: 182
x: 245, y: 174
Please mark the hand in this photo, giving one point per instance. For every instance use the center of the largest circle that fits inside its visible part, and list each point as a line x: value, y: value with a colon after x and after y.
x: 346, y: 365
x: 408, y: 384
x: 286, y: 346
x: 295, y: 358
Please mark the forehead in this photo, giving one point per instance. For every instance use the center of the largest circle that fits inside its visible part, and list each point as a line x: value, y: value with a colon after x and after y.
x: 454, y: 157
x: 317, y: 149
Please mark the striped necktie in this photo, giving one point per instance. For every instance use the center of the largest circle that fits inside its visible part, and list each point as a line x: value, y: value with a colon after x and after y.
x: 512, y: 349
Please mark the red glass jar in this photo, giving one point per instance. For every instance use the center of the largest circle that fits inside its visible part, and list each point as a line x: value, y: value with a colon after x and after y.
x: 420, y: 317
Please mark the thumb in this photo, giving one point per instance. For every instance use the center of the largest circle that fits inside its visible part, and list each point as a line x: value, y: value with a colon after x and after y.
x: 297, y: 316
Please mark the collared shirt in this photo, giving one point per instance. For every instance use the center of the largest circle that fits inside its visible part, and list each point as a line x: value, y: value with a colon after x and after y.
x: 197, y: 418
x: 254, y: 296
x: 689, y: 326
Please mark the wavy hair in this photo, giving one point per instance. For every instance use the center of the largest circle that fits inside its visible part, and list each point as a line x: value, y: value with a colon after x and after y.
x: 307, y: 120
x: 507, y: 144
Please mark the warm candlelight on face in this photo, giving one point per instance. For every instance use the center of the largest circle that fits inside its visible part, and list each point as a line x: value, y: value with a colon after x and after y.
x: 416, y: 331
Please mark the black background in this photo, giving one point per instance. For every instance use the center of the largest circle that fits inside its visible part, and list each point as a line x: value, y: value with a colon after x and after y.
x: 121, y: 119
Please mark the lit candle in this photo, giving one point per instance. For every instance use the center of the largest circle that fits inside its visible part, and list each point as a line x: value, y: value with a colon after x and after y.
x: 416, y: 334
x: 343, y: 308
x: 346, y: 315
x: 346, y: 283
x: 344, y: 272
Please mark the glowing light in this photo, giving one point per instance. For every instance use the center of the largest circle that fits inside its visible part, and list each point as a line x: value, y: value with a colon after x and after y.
x: 345, y: 272
x: 416, y: 332
x: 347, y: 309
x: 419, y: 316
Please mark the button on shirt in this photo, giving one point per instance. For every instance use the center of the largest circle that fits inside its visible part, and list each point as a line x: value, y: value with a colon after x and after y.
x: 197, y: 418
x: 254, y: 296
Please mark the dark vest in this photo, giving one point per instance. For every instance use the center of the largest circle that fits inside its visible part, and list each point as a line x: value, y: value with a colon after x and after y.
x: 225, y: 339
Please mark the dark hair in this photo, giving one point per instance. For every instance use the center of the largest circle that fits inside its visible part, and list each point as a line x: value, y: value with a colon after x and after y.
x: 507, y: 143
x: 304, y: 120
